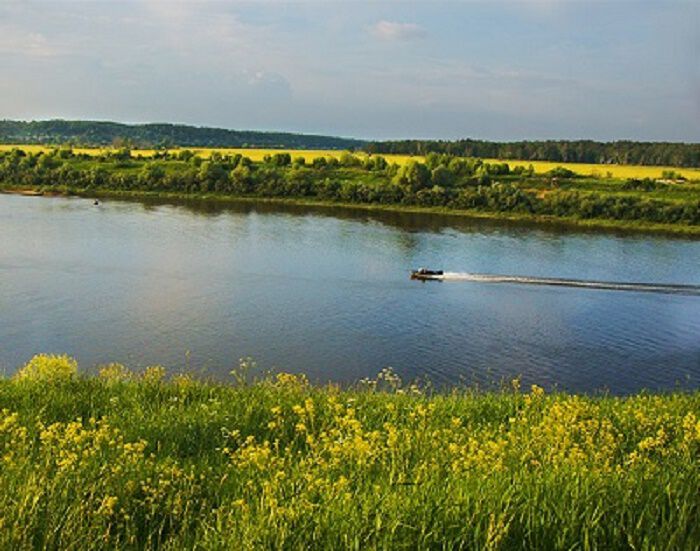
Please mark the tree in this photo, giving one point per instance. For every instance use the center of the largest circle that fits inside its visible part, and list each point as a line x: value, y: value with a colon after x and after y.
x: 151, y: 174
x: 349, y: 160
x: 281, y: 159
x: 211, y: 176
x: 414, y: 176
x: 442, y: 176
x: 241, y: 179
x: 319, y: 162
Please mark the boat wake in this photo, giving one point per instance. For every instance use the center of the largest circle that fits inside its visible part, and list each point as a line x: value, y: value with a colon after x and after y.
x: 579, y: 283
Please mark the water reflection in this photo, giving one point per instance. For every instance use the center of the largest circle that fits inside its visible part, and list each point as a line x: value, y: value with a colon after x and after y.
x: 405, y: 221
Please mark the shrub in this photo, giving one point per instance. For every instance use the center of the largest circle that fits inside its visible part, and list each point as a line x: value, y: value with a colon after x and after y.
x: 561, y: 172
x: 49, y: 367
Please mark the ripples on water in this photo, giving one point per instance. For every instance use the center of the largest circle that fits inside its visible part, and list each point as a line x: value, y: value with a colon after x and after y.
x: 327, y: 292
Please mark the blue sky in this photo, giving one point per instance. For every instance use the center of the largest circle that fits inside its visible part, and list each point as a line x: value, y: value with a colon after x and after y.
x: 492, y: 70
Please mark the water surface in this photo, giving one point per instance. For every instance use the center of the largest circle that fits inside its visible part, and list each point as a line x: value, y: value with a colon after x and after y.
x: 326, y: 291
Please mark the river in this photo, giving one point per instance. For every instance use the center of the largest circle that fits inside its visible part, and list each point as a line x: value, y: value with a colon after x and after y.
x: 196, y: 286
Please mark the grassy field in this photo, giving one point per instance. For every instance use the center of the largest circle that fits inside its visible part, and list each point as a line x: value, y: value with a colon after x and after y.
x: 121, y: 460
x: 594, y: 170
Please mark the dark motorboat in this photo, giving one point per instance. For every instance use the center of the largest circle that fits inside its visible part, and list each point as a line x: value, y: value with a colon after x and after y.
x: 424, y: 273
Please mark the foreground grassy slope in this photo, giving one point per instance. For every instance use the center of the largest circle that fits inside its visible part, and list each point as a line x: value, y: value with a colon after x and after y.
x: 540, y: 167
x: 121, y: 460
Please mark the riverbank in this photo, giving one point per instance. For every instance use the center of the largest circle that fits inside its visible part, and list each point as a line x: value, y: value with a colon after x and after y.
x: 554, y: 222
x: 143, y: 460
x: 441, y: 184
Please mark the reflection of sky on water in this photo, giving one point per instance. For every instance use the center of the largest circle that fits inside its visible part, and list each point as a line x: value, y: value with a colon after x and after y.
x: 329, y: 295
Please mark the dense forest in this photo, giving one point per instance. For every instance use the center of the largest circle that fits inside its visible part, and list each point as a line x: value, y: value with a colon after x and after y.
x: 97, y: 133
x: 442, y: 181
x: 580, y: 151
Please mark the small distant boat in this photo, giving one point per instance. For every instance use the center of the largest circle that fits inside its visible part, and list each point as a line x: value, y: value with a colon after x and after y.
x: 424, y: 274
x: 96, y: 202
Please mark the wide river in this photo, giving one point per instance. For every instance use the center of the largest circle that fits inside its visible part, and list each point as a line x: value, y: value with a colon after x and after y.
x: 326, y: 292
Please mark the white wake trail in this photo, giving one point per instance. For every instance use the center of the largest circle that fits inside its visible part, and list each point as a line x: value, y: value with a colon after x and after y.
x: 580, y: 283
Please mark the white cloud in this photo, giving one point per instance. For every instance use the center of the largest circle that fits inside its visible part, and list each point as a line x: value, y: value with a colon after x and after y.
x: 393, y: 30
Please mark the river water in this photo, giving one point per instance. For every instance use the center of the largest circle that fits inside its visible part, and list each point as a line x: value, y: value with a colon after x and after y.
x: 196, y: 286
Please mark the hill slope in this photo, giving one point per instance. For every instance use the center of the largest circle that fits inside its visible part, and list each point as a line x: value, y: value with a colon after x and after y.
x: 99, y: 133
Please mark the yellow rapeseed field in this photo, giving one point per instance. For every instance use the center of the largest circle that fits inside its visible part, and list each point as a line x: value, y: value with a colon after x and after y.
x: 602, y: 171
x: 584, y: 169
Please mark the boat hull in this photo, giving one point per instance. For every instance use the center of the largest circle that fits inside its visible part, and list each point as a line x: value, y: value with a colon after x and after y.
x: 424, y: 275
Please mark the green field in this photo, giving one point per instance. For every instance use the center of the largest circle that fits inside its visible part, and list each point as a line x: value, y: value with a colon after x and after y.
x: 595, y: 170
x: 124, y: 460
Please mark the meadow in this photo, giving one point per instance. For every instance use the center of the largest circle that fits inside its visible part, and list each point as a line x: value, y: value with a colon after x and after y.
x: 142, y: 460
x: 540, y: 167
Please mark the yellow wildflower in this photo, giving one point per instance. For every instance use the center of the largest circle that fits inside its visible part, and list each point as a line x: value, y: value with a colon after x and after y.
x: 48, y: 367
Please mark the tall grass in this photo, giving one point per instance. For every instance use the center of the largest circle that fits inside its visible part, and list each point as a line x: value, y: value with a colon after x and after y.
x: 140, y: 461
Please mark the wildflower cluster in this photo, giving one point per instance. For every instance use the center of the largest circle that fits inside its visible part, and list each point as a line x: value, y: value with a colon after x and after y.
x: 48, y: 367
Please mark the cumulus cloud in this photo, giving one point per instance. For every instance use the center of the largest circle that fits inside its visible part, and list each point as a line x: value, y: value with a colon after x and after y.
x: 393, y: 30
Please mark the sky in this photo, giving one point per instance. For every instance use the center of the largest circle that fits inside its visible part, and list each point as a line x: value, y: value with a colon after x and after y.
x: 604, y: 70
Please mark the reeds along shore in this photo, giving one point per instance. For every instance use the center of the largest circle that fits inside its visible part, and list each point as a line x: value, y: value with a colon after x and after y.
x: 125, y: 460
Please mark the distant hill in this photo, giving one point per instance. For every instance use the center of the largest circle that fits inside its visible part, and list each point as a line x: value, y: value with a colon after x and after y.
x: 97, y: 133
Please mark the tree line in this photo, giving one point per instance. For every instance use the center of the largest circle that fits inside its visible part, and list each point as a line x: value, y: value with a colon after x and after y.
x: 580, y: 151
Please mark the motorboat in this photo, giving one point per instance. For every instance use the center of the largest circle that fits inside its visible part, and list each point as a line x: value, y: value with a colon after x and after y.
x: 424, y: 273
